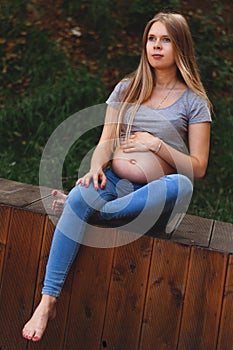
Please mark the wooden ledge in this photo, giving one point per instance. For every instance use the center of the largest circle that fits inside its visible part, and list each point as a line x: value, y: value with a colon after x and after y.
x: 193, y: 230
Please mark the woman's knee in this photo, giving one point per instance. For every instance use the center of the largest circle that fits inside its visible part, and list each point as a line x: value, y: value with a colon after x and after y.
x: 79, y: 195
x: 185, y: 185
x: 178, y: 186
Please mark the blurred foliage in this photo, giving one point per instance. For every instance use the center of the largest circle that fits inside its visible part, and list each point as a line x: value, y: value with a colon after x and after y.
x: 58, y: 57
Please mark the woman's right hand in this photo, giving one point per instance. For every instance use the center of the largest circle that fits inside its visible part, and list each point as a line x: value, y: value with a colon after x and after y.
x: 97, y: 176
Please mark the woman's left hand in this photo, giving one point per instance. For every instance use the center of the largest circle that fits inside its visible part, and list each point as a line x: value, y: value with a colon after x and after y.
x: 140, y: 141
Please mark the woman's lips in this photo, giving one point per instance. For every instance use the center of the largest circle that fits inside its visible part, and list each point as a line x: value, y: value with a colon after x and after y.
x: 157, y: 55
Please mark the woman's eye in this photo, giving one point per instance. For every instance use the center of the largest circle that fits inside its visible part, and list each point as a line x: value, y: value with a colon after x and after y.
x: 166, y: 40
x: 151, y: 38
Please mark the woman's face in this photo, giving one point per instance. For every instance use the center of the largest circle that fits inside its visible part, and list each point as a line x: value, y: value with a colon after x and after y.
x: 159, y: 48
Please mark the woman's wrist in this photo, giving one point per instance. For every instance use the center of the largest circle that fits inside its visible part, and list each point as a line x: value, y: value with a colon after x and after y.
x: 159, y: 147
x: 95, y: 169
x: 155, y: 148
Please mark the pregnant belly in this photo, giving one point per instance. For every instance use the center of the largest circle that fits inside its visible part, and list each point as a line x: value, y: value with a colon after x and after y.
x: 140, y: 167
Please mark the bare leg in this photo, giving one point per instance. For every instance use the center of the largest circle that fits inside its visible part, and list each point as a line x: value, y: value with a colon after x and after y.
x: 45, y: 311
x: 58, y: 203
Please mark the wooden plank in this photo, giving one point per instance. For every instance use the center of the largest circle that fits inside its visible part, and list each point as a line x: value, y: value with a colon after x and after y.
x: 18, y: 194
x: 193, y: 230
x: 226, y: 327
x: 43, y: 206
x: 222, y: 237
x: 5, y: 213
x: 19, y: 276
x: 127, y: 295
x: 55, y: 332
x: 165, y: 295
x: 203, y: 300
x: 89, y: 297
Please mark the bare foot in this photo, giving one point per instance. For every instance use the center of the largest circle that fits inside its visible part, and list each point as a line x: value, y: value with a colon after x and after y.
x: 45, y: 311
x: 58, y: 203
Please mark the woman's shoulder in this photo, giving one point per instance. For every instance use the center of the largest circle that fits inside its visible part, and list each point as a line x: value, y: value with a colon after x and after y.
x: 193, y: 97
x: 196, y: 107
x: 118, y: 91
x: 122, y: 85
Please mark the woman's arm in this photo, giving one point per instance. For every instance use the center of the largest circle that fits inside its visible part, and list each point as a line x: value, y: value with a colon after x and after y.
x: 103, y: 152
x: 192, y: 165
x: 199, y: 145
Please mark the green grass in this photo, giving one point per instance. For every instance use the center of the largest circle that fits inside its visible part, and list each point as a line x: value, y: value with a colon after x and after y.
x: 55, y: 90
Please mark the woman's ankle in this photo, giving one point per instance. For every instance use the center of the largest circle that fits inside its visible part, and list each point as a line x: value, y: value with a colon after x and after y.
x: 48, y: 299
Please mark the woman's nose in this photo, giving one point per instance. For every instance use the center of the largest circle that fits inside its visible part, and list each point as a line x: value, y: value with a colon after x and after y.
x: 157, y: 44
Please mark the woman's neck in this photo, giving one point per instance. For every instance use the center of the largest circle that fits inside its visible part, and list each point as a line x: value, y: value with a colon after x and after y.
x: 165, y: 79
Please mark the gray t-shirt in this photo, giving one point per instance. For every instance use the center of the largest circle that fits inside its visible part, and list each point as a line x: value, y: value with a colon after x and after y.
x: 171, y: 123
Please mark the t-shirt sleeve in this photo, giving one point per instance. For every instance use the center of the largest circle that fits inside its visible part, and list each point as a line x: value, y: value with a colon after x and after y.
x: 117, y: 94
x: 199, y: 111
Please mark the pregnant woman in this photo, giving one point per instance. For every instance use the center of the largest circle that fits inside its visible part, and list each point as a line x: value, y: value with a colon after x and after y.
x: 155, y: 140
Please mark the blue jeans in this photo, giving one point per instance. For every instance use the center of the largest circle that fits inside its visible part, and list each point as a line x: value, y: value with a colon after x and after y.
x: 149, y: 205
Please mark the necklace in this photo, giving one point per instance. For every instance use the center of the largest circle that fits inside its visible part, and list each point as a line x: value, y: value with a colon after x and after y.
x: 165, y: 97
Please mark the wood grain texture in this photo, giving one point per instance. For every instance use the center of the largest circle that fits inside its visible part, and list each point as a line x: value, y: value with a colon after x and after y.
x: 18, y: 194
x: 222, y: 237
x: 194, y: 231
x: 5, y: 213
x: 203, y: 300
x: 225, y: 341
x: 89, y: 298
x: 127, y: 295
x: 165, y: 296
x: 19, y: 275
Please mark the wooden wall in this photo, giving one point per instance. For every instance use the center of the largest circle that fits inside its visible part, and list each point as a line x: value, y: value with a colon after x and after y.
x: 150, y: 294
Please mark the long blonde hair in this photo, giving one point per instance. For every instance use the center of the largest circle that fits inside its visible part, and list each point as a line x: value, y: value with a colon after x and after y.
x: 142, y: 81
